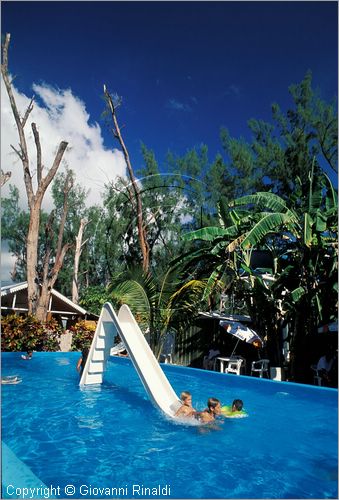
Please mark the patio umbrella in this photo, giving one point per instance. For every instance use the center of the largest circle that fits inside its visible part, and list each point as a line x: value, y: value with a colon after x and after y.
x: 242, y: 332
x: 331, y: 327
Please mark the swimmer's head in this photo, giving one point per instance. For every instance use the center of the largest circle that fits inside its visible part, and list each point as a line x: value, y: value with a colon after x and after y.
x: 186, y: 398
x: 214, y: 405
x: 237, y: 405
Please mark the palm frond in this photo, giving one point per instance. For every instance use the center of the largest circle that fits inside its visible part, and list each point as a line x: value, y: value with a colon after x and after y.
x: 186, y: 297
x: 132, y: 292
x: 321, y: 222
x: 181, y: 306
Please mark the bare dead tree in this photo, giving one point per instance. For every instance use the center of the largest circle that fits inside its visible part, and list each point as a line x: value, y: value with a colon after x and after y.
x: 79, y: 244
x: 34, y: 198
x: 135, y: 196
x: 50, y: 275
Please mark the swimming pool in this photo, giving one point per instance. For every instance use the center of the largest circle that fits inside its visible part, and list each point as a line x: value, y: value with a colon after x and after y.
x: 110, y: 442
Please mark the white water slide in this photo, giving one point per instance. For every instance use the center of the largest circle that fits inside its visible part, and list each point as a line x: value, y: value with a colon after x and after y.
x: 153, y: 378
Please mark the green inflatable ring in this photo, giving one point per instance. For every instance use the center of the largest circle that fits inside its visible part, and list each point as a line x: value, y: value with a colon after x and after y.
x: 227, y: 412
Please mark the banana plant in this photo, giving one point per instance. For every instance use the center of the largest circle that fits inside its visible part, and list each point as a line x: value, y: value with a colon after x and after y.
x: 303, y: 241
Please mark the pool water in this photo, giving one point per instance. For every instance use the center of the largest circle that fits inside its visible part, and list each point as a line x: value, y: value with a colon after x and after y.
x: 109, y: 441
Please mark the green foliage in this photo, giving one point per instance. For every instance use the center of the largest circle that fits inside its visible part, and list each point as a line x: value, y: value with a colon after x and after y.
x: 93, y: 298
x: 242, y: 168
x: 281, y: 154
x: 115, y: 243
x: 14, y: 227
x: 26, y: 333
x: 76, y: 201
x: 77, y: 210
x: 189, y: 176
x: 219, y: 184
x: 82, y: 335
x: 165, y: 205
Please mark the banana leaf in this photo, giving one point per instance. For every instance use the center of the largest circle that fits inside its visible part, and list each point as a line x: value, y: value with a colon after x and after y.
x: 264, y: 199
x: 297, y: 293
x: 269, y: 223
x: 210, y: 233
x: 308, y: 235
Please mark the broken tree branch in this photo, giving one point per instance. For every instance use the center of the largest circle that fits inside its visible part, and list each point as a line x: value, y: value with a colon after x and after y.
x: 38, y: 152
x: 28, y: 110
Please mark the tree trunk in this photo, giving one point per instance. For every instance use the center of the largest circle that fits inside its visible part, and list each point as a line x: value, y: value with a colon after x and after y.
x: 78, y: 250
x: 48, y: 285
x: 49, y: 276
x: 43, y: 302
x: 32, y: 258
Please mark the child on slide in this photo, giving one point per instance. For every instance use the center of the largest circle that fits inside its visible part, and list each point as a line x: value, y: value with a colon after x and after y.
x: 186, y: 409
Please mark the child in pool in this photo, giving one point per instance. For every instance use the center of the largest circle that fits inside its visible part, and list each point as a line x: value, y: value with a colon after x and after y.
x: 82, y: 361
x: 234, y: 411
x: 11, y: 380
x: 186, y: 409
x: 211, y: 412
x: 27, y: 356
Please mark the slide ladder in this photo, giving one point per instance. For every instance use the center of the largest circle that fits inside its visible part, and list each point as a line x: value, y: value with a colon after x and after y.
x: 102, y: 343
x: 153, y: 378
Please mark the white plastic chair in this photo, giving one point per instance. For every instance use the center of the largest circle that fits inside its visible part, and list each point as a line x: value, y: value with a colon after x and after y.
x: 243, y: 366
x: 166, y: 358
x: 260, y: 367
x: 117, y: 349
x: 234, y: 366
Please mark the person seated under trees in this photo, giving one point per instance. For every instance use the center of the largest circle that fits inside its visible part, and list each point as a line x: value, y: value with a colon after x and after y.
x: 209, y: 360
x: 326, y: 368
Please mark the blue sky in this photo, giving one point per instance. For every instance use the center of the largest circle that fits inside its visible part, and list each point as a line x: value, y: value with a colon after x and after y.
x: 184, y: 69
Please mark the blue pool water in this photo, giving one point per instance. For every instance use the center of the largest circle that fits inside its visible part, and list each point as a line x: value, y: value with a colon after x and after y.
x: 105, y: 440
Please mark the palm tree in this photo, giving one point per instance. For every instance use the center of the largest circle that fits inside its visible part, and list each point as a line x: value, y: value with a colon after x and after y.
x: 160, y: 305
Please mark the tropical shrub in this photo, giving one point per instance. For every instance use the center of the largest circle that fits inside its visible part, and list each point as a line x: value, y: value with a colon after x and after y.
x: 82, y: 335
x: 26, y: 333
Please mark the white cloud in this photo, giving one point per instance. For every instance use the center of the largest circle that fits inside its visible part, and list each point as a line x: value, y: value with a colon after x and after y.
x: 232, y: 90
x: 59, y: 116
x: 7, y: 263
x: 177, y: 105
